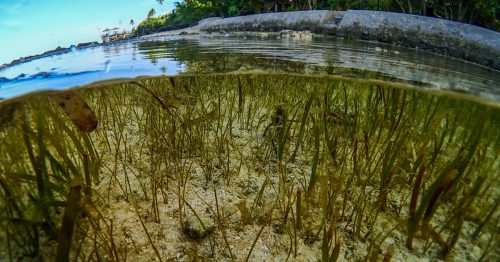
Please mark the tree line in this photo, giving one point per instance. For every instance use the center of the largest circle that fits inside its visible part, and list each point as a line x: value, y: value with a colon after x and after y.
x: 186, y: 13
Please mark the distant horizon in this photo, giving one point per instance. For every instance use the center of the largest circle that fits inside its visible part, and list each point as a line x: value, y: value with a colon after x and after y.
x: 29, y: 27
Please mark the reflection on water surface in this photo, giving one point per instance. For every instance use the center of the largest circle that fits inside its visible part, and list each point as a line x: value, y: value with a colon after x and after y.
x: 218, y: 54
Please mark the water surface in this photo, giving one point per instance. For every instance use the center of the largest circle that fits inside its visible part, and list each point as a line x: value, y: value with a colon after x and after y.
x: 176, y: 55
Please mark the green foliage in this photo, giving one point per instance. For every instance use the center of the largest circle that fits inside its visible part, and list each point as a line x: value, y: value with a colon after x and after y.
x: 488, y: 13
x: 150, y: 25
x: 188, y: 12
x: 233, y: 10
x: 151, y: 13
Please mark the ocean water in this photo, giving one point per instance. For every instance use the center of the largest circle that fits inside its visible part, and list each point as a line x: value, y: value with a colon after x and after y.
x: 232, y: 148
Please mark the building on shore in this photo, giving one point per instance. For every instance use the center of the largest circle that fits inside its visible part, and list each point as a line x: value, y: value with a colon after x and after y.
x: 113, y: 34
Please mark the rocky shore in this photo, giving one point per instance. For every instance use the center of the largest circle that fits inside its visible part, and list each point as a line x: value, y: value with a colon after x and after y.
x: 57, y: 51
x: 463, y: 41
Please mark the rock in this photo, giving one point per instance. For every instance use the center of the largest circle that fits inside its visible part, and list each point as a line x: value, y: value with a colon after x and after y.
x: 431, y: 34
x: 87, y: 44
x: 198, y: 227
x: 295, y: 34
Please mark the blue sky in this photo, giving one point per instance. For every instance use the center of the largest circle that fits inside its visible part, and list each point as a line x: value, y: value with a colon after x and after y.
x: 29, y: 27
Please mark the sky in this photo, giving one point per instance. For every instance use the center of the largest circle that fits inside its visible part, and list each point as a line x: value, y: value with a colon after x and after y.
x: 29, y: 27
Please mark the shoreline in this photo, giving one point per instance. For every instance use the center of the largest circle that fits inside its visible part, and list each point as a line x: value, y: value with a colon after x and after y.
x: 463, y: 41
x: 56, y: 51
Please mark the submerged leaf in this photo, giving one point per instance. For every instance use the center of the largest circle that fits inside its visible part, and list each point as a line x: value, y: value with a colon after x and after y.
x: 77, y: 110
x: 246, y: 216
x: 7, y: 114
x: 69, y: 220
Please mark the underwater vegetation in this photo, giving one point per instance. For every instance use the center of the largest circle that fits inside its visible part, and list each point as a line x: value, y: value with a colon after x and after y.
x: 246, y: 167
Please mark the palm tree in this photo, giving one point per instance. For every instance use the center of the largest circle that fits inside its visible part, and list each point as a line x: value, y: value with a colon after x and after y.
x: 151, y: 13
x: 160, y: 1
x: 132, y: 22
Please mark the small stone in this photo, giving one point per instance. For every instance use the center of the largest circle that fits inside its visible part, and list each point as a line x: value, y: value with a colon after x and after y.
x: 378, y: 49
x: 198, y: 227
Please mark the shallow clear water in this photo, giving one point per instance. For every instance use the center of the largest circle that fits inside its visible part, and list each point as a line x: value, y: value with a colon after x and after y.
x: 388, y: 170
x: 216, y: 54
